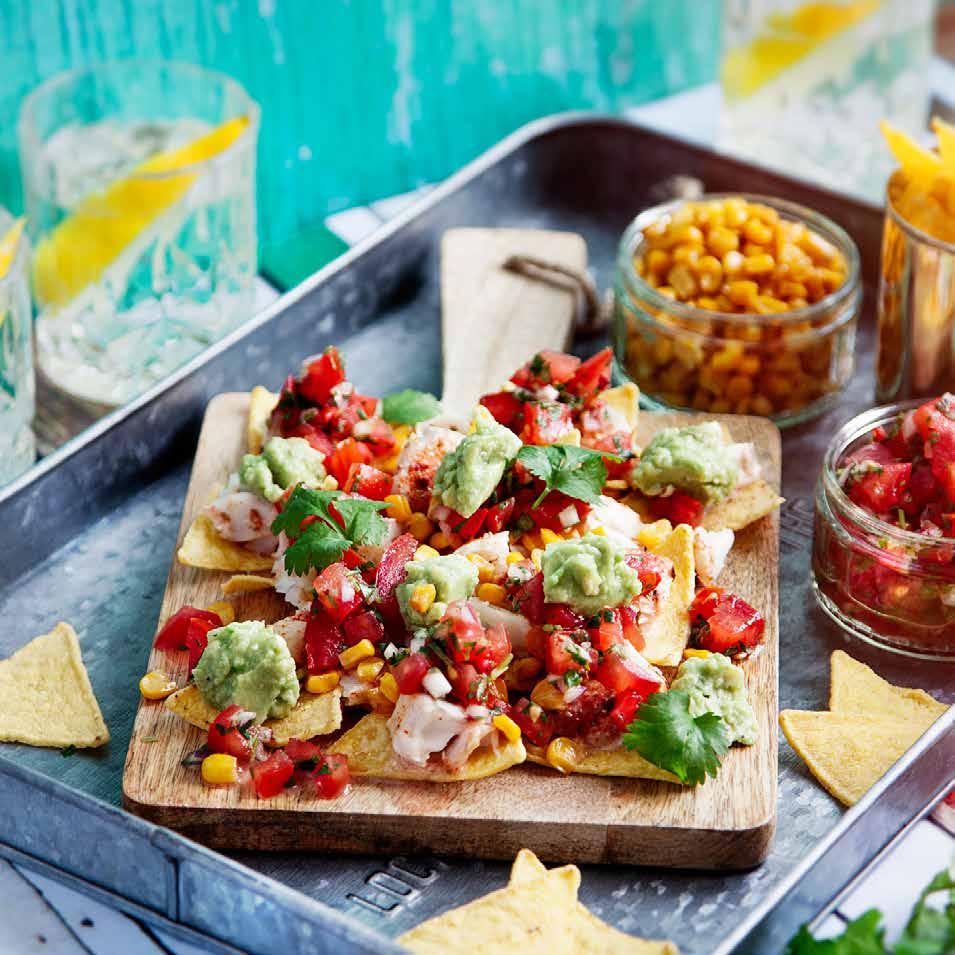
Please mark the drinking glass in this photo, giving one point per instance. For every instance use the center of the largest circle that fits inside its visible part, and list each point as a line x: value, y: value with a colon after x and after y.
x: 17, y: 445
x: 139, y: 183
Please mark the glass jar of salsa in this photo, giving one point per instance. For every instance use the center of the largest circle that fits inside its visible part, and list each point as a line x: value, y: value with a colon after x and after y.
x: 883, y: 557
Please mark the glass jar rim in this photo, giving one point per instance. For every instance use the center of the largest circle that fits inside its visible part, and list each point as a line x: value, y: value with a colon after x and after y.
x: 913, y: 231
x: 855, y: 428
x: 29, y: 135
x: 831, y: 231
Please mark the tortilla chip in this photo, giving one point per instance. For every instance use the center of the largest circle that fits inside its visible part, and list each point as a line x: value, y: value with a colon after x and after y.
x: 203, y: 547
x: 855, y: 688
x: 847, y: 752
x: 313, y: 714
x: 261, y: 404
x: 47, y: 698
x: 611, y: 762
x: 368, y: 748
x: 744, y: 506
x: 247, y: 584
x: 668, y: 632
x: 625, y: 399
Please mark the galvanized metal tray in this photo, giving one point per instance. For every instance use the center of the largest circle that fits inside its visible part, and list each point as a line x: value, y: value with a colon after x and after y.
x: 88, y: 535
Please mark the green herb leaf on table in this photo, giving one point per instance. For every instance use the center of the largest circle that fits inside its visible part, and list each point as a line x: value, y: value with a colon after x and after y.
x: 664, y: 733
x: 577, y: 472
x: 863, y: 936
x: 409, y: 407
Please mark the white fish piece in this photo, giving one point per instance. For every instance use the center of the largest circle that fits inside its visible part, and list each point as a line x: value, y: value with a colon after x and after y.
x: 620, y: 523
x: 515, y: 625
x: 710, y: 550
x: 494, y: 548
x: 297, y: 589
x: 292, y: 631
x: 242, y: 516
x: 466, y: 742
x: 419, y: 460
x: 421, y: 725
x: 747, y: 461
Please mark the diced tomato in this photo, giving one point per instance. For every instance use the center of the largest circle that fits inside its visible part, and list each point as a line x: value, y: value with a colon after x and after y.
x: 332, y: 777
x: 469, y: 642
x: 546, y: 368
x: 410, y: 671
x: 321, y: 375
x: 620, y: 672
x: 608, y: 632
x: 363, y: 626
x: 630, y: 625
x: 537, y: 732
x: 548, y: 513
x: 545, y: 422
x: 499, y: 516
x: 874, y: 452
x: 391, y: 572
x: 528, y: 599
x: 620, y: 445
x: 943, y: 468
x: 723, y: 621
x: 650, y: 568
x: 271, y: 775
x: 347, y: 453
x: 625, y: 707
x: 505, y: 408
x: 879, y: 487
x: 341, y: 420
x: 678, y: 508
x: 584, y: 712
x: 338, y: 591
x: 921, y: 491
x: 379, y: 435
x: 225, y: 736
x: 324, y: 641
x: 468, y: 528
x: 197, y: 639
x: 314, y: 436
x: 564, y: 653
x: 174, y: 633
x: 466, y: 683
x: 536, y: 642
x: 368, y: 481
x: 302, y: 751
x: 593, y: 376
x: 560, y: 615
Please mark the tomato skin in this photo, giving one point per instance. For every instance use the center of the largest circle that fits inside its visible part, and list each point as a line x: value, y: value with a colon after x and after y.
x: 368, y: 481
x: 546, y: 368
x: 528, y: 599
x: 301, y: 751
x: 347, y: 453
x: 323, y: 641
x: 725, y: 621
x: 175, y: 633
x: 363, y: 626
x: 224, y: 736
x: 561, y: 615
x: 338, y: 592
x: 545, y: 422
x: 332, y: 777
x: 321, y: 375
x: 469, y: 641
x: 561, y: 659
x: 341, y: 421
x: 464, y: 683
x: 536, y: 732
x: 608, y: 632
x: 619, y: 444
x: 271, y: 775
x: 593, y: 376
x: 650, y: 568
x: 678, y: 508
x: 505, y: 408
x: 390, y: 573
x: 468, y: 528
x: 880, y: 490
x: 629, y: 624
x: 410, y: 672
x: 619, y: 675
x: 625, y: 708
x: 499, y: 516
x: 586, y: 711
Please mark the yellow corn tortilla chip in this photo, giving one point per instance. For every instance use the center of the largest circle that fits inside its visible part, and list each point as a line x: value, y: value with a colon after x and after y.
x: 247, y: 584
x: 625, y: 399
x: 668, y: 632
x: 612, y: 762
x: 588, y: 933
x: 744, y: 506
x: 47, y: 698
x: 315, y: 714
x: 368, y: 748
x: 847, y: 752
x: 855, y: 688
x: 261, y: 404
x: 203, y: 547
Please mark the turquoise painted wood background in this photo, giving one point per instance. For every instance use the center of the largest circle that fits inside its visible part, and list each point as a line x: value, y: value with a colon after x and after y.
x: 365, y: 98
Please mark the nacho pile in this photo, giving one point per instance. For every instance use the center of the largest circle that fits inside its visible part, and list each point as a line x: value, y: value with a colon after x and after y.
x: 869, y: 725
x: 537, y: 911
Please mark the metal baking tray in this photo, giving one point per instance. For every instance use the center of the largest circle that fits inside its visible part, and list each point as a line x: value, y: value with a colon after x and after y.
x: 89, y: 533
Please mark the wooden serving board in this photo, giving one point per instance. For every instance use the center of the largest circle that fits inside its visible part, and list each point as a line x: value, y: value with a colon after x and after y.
x: 727, y: 823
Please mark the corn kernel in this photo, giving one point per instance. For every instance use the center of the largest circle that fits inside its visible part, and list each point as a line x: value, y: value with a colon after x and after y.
x: 507, y: 726
x: 562, y: 754
x: 598, y: 531
x: 220, y: 768
x: 398, y: 508
x: 531, y: 540
x: 514, y: 557
x: 722, y: 240
x: 491, y: 593
x: 758, y: 264
x: 156, y: 686
x: 742, y: 292
x: 419, y: 527
x: 323, y: 682
x: 485, y: 568
x: 537, y: 555
x: 422, y: 597
x: 682, y: 280
x: 368, y: 670
x: 388, y: 687
x: 549, y: 537
x: 758, y: 232
x: 761, y: 405
x: 699, y: 654
x: 225, y: 611
x: 424, y: 552
x: 329, y: 484
x: 440, y: 540
x: 362, y: 650
x: 547, y: 696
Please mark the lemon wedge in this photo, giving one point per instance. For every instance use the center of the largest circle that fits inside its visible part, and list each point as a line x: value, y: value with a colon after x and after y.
x: 8, y: 245
x: 919, y: 163
x: 78, y: 250
x: 946, y: 141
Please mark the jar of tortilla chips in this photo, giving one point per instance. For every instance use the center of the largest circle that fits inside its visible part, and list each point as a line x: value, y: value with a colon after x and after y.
x: 737, y: 304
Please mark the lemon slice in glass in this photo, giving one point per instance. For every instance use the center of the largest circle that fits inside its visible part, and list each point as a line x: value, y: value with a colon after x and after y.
x: 8, y: 245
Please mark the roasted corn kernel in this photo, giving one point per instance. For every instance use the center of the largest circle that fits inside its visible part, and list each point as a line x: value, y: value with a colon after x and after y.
x: 388, y: 687
x: 156, y: 686
x: 398, y: 508
x: 422, y: 597
x: 219, y: 769
x: 368, y: 670
x: 352, y: 656
x: 323, y: 682
x: 562, y: 754
x: 507, y: 726
x: 491, y: 593
x: 547, y: 696
x: 419, y: 526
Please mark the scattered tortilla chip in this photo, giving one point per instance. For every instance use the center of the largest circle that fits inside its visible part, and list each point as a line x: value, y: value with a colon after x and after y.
x: 247, y: 584
x: 203, y: 547
x: 856, y: 688
x: 588, y: 933
x: 744, y: 506
x: 368, y: 748
x: 611, y: 762
x: 313, y: 714
x: 47, y: 698
x: 847, y: 752
x: 261, y: 404
x: 625, y: 399
x: 668, y: 632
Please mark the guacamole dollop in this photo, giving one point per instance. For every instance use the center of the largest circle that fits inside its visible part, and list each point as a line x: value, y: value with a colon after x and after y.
x: 283, y: 463
x: 715, y: 685
x: 695, y: 459
x: 454, y: 578
x: 249, y: 664
x: 468, y: 474
x: 589, y: 573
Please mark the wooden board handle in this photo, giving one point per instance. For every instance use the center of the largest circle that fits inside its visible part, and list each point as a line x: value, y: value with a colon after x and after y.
x: 492, y: 320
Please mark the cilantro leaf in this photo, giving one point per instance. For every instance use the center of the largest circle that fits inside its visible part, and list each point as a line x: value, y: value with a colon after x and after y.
x: 317, y: 546
x: 664, y: 733
x: 409, y: 407
x: 304, y: 502
x: 363, y: 523
x: 863, y: 936
x: 930, y: 931
x: 577, y: 472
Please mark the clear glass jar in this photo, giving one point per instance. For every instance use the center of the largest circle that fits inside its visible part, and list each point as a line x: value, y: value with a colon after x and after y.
x: 892, y: 587
x: 788, y: 366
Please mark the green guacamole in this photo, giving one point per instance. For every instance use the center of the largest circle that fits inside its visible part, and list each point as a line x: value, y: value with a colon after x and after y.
x: 715, y: 685
x: 588, y: 573
x: 454, y: 578
x: 695, y: 459
x: 468, y: 474
x: 283, y: 463
x: 249, y: 664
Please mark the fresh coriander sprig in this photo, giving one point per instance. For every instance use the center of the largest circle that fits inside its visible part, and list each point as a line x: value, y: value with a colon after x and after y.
x: 409, y: 407
x: 577, y: 472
